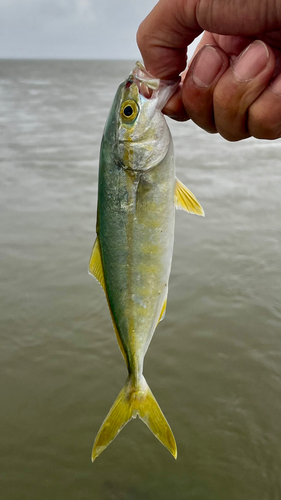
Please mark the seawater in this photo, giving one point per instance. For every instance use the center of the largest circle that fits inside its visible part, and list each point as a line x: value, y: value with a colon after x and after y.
x: 214, y: 362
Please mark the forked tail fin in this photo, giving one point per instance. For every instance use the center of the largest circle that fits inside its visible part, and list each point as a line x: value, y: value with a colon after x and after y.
x: 131, y: 402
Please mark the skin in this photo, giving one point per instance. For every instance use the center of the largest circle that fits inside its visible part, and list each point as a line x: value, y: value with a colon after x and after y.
x: 233, y: 84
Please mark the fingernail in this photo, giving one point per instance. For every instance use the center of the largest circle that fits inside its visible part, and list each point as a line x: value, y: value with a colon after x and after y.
x: 275, y: 87
x: 251, y: 62
x: 207, y: 66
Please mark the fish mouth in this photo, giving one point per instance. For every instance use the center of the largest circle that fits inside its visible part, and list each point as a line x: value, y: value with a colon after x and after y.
x: 142, y: 76
x: 151, y: 87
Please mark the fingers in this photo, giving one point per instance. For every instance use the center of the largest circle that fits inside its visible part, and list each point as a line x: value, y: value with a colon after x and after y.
x: 238, y: 89
x: 199, y: 101
x: 264, y: 121
x: 173, y: 24
x: 199, y: 85
x: 224, y: 90
x: 235, y: 99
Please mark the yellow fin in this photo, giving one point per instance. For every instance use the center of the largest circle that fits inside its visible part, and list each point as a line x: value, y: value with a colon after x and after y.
x: 96, y: 270
x: 131, y: 402
x: 185, y: 200
x: 164, y: 305
x: 150, y: 413
x: 95, y: 264
x: 163, y: 311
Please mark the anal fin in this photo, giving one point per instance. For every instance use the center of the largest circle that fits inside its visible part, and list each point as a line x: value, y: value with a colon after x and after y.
x: 95, y: 264
x: 163, y: 311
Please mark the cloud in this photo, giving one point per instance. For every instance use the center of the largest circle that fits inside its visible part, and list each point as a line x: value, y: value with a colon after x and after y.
x: 70, y: 28
x: 103, y: 29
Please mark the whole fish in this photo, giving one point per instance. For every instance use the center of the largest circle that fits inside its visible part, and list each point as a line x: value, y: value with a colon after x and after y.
x: 131, y: 258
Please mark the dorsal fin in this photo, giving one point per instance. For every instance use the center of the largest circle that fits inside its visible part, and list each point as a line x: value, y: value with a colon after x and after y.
x: 185, y: 200
x: 96, y: 270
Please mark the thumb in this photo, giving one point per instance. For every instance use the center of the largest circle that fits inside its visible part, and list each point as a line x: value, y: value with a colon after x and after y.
x: 172, y: 25
x: 164, y: 35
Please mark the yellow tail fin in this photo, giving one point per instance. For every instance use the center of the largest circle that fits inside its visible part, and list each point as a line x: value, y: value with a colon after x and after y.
x: 131, y: 402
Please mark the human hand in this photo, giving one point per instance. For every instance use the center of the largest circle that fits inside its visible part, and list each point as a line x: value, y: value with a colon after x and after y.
x: 233, y: 84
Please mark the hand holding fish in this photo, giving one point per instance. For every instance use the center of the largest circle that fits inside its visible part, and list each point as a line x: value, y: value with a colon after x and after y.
x: 233, y: 84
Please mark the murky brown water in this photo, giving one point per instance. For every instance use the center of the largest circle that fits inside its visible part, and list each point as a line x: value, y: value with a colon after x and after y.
x: 214, y: 362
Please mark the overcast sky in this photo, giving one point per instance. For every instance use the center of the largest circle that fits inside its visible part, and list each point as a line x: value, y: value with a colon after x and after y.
x: 91, y: 29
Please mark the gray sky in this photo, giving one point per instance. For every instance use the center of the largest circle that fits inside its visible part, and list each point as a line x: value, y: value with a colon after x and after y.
x: 104, y: 29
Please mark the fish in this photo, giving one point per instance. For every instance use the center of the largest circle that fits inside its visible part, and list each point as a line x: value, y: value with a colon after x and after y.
x: 138, y: 192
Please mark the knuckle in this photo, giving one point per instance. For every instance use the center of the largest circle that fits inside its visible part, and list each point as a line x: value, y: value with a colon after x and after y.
x: 139, y: 36
x: 262, y: 124
x: 202, y: 116
x: 142, y: 37
x: 232, y: 134
x: 230, y: 117
x: 223, y: 100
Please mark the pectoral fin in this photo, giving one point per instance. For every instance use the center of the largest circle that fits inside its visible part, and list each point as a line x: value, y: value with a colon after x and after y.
x: 185, y: 200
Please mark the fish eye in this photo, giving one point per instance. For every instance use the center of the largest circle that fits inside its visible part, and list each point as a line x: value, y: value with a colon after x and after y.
x: 129, y: 111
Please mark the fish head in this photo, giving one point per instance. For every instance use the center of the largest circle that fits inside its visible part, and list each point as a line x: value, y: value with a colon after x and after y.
x: 142, y: 137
